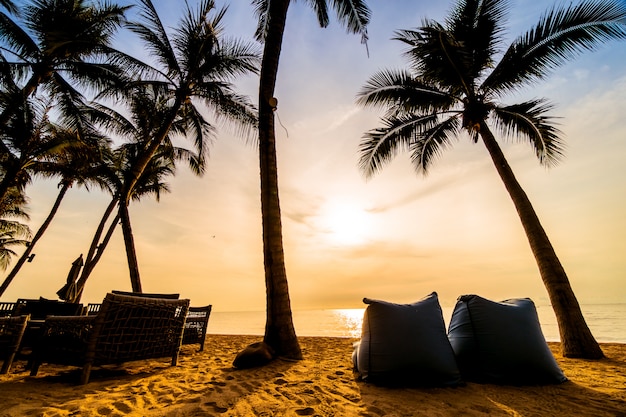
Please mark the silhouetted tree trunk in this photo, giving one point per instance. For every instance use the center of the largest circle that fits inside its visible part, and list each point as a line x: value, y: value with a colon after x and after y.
x: 96, y: 249
x: 129, y: 244
x: 279, y: 331
x: 40, y: 232
x: 576, y: 338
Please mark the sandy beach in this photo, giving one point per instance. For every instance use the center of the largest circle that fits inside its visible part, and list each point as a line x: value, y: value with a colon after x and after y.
x: 323, y: 384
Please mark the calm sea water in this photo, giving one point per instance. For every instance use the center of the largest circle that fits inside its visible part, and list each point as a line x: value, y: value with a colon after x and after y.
x: 606, y: 321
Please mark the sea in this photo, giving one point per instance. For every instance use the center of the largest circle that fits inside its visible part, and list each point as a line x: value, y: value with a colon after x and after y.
x: 607, y: 322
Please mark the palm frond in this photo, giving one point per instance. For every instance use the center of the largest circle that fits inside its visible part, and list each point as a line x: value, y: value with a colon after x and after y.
x: 320, y: 7
x: 561, y: 34
x: 530, y: 122
x: 380, y: 145
x: 155, y: 38
x: 262, y: 11
x: 354, y: 15
x: 479, y: 26
x: 399, y: 92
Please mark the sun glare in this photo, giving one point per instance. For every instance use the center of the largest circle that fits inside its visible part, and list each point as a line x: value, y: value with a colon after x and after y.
x: 345, y: 223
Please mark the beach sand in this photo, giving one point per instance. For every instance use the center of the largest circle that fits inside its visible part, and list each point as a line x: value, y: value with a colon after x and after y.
x: 323, y: 384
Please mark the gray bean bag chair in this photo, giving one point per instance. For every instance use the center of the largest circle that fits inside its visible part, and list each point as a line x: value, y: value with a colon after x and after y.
x: 405, y: 344
x: 501, y: 342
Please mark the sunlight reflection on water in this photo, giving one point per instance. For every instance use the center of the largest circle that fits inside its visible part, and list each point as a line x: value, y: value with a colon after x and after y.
x: 607, y: 322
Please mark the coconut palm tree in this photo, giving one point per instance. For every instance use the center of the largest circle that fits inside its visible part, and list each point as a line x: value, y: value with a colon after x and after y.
x: 148, y: 108
x: 31, y: 140
x: 56, y: 44
x: 197, y: 65
x: 79, y: 164
x: 354, y: 14
x: 454, y: 85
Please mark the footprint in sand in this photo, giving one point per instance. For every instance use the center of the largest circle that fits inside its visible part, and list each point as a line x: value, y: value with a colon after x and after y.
x: 216, y: 407
x: 308, y: 411
x: 122, y: 407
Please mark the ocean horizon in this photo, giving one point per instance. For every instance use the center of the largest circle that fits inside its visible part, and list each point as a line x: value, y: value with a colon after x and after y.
x: 606, y: 321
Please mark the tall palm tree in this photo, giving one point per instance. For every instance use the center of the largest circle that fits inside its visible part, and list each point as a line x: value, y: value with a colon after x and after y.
x: 354, y: 14
x: 198, y: 64
x: 454, y: 85
x: 151, y: 182
x: 31, y: 140
x: 79, y: 164
x: 148, y: 108
x: 58, y: 43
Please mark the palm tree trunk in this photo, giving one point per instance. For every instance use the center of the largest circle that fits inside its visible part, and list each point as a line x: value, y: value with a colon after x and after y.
x: 576, y: 338
x: 96, y: 249
x: 279, y: 331
x: 129, y: 243
x: 40, y: 232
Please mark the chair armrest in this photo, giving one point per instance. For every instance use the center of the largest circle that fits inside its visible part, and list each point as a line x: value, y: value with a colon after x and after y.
x: 64, y: 339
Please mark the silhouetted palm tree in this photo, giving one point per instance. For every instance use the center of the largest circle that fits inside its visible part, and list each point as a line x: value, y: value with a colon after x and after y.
x: 197, y: 65
x: 78, y: 164
x: 454, y: 85
x: 354, y: 14
x: 31, y: 140
x: 147, y: 109
x: 12, y: 232
x: 56, y: 45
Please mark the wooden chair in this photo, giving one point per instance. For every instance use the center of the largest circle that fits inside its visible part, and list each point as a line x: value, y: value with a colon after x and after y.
x: 126, y: 328
x: 196, y: 325
x: 11, y: 333
x: 92, y: 309
x: 6, y: 309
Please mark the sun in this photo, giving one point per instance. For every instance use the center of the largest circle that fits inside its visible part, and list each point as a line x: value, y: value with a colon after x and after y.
x: 345, y: 223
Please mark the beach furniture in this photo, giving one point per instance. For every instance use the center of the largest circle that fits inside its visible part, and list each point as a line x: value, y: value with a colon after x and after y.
x: 92, y: 309
x: 6, y: 309
x: 405, y: 344
x: 39, y: 309
x: 197, y: 318
x: 196, y: 325
x: 11, y: 333
x: 501, y: 342
x: 126, y: 328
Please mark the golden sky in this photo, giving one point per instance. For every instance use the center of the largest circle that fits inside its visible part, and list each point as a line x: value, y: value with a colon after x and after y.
x: 397, y: 236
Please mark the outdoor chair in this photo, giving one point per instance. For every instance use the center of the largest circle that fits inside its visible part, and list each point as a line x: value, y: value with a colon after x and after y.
x: 196, y: 325
x: 11, y: 333
x: 6, y: 309
x: 92, y: 309
x: 147, y: 294
x: 126, y: 328
x: 41, y: 308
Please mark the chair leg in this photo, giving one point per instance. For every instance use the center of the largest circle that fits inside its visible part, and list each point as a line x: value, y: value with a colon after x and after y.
x: 7, y: 364
x: 34, y: 368
x: 84, y: 377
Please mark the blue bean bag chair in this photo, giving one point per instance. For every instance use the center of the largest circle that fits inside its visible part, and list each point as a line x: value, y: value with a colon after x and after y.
x: 501, y: 342
x: 405, y: 344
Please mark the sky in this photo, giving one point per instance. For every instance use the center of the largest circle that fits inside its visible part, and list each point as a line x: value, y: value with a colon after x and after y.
x: 397, y: 236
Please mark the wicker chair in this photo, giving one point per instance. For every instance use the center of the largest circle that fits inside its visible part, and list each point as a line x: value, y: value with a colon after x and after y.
x: 11, y: 333
x: 125, y: 329
x: 196, y: 325
x: 41, y: 308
